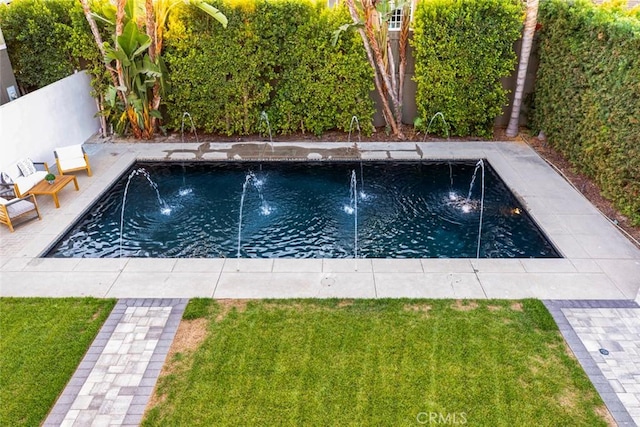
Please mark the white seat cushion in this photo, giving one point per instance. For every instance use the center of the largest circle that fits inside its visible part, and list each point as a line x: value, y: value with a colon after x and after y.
x: 71, y: 157
x: 72, y: 163
x: 26, y: 183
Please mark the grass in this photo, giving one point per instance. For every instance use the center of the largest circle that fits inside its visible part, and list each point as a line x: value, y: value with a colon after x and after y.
x: 41, y: 343
x: 366, y: 362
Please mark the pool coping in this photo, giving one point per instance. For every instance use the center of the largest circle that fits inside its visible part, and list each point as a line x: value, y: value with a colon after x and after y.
x: 599, y: 262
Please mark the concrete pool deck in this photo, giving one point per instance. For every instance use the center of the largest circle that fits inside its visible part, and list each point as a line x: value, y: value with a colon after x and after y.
x: 599, y: 262
x: 589, y: 292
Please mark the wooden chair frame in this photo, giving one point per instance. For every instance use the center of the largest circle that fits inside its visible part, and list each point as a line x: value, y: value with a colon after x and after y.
x: 7, y: 219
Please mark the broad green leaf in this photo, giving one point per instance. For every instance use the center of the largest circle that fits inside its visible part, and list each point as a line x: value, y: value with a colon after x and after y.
x: 144, y: 41
x: 107, y: 19
x: 128, y: 40
x: 115, y: 55
x: 130, y: 10
x: 211, y: 11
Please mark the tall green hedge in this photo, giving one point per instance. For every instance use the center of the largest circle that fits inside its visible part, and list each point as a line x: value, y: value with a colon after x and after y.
x: 47, y: 40
x: 462, y: 50
x: 274, y: 57
x: 587, y: 94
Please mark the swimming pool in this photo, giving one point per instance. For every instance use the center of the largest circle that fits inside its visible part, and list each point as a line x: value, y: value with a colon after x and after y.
x: 401, y: 209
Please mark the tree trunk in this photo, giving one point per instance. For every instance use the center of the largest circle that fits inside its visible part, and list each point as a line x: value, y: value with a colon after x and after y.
x: 386, y: 109
x: 402, y: 52
x: 154, y: 51
x: 525, y: 52
x: 381, y: 59
x: 150, y: 25
x: 119, y: 27
x: 98, y: 39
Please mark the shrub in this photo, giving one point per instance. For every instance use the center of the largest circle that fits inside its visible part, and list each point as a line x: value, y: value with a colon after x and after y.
x: 587, y: 95
x: 274, y: 57
x: 322, y: 86
x: 462, y: 50
x: 48, y: 40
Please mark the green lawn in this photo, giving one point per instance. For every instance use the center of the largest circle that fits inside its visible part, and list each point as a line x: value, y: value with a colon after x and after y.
x: 41, y: 343
x: 377, y: 363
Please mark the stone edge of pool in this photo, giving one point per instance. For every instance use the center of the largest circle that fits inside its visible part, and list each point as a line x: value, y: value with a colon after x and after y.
x: 599, y: 262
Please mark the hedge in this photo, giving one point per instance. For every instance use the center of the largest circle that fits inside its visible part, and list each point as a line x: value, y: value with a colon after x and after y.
x: 274, y: 57
x: 462, y: 50
x: 587, y: 94
x: 47, y: 40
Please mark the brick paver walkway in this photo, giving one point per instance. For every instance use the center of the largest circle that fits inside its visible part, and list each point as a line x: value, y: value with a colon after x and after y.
x: 114, y: 381
x: 605, y: 337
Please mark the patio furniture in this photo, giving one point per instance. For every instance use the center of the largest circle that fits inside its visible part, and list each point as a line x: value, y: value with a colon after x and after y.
x: 21, y: 176
x: 46, y: 189
x: 71, y: 159
x: 11, y: 210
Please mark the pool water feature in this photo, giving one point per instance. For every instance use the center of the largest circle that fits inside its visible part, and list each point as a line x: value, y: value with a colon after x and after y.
x: 411, y: 210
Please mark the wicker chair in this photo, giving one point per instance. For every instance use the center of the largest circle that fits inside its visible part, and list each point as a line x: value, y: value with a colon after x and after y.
x: 18, y: 208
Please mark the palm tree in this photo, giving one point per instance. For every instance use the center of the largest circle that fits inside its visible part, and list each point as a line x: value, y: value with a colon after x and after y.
x: 525, y: 52
x: 371, y: 18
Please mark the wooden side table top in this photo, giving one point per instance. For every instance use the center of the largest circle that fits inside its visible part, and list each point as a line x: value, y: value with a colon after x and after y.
x: 44, y: 188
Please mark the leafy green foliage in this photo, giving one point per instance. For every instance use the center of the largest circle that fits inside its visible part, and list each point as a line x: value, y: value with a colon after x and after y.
x: 462, y: 50
x: 47, y: 40
x: 376, y: 363
x: 43, y: 341
x: 274, y: 57
x: 587, y: 95
x: 323, y: 85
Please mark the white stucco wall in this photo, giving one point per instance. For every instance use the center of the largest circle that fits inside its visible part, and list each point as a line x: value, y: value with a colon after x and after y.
x: 55, y: 116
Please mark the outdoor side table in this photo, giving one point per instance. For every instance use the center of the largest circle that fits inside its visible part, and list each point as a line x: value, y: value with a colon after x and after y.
x: 46, y: 189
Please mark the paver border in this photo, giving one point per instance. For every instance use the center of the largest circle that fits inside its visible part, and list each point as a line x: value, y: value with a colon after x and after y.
x: 600, y: 382
x: 152, y: 372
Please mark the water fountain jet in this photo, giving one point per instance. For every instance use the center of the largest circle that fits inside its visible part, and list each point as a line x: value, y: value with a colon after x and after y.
x: 164, y: 208
x: 265, y: 209
x: 193, y: 128
x: 265, y: 118
x: 446, y: 125
x: 354, y: 119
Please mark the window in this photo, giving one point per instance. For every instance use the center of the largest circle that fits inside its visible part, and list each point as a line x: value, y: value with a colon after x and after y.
x: 395, y: 20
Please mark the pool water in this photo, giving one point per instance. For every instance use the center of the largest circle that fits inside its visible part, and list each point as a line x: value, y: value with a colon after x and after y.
x: 306, y: 210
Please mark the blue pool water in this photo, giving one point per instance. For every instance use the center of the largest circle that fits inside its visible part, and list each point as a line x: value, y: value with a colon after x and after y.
x: 306, y: 210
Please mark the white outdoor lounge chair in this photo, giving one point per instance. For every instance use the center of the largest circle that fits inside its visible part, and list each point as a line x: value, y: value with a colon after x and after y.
x: 10, y: 210
x: 71, y: 159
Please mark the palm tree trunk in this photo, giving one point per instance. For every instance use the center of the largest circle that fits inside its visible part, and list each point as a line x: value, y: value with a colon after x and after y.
x: 150, y: 26
x: 386, y: 109
x: 154, y: 50
x: 382, y: 69
x: 525, y: 52
x: 120, y: 13
x: 402, y: 51
x: 98, y: 39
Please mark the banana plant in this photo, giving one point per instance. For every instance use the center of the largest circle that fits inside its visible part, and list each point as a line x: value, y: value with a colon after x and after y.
x: 137, y: 77
x: 135, y: 59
